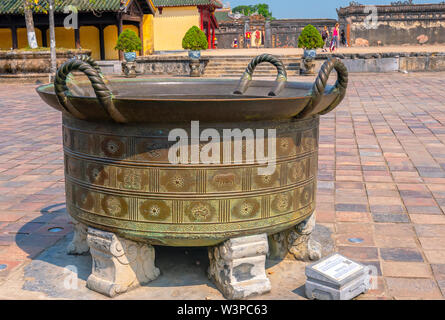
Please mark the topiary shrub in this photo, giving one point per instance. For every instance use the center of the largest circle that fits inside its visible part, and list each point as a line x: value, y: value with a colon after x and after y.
x: 310, y: 38
x: 128, y: 41
x: 195, y: 39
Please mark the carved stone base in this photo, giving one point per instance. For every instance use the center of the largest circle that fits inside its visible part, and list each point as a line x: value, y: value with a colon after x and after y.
x: 79, y: 243
x: 309, y: 66
x: 238, y: 267
x: 296, y: 243
x: 129, y: 69
x: 119, y: 264
x: 194, y: 68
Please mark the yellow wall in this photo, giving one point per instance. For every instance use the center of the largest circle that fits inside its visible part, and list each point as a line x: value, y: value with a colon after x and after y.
x: 22, y: 37
x: 171, y: 26
x: 89, y: 39
x: 148, y: 32
x: 110, y: 39
x: 5, y: 39
x: 64, y: 38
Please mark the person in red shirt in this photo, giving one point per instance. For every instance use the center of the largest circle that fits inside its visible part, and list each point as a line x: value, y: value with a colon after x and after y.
x: 257, y: 39
x: 248, y: 38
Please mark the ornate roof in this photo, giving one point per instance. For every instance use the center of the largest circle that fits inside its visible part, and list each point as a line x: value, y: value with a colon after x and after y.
x: 357, y: 8
x: 16, y: 6
x: 187, y: 3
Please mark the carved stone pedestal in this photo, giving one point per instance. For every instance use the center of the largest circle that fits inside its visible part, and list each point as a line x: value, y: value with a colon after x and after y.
x: 79, y: 243
x: 119, y: 264
x: 296, y: 243
x: 238, y: 267
x: 129, y: 69
x: 309, y: 66
x: 194, y: 68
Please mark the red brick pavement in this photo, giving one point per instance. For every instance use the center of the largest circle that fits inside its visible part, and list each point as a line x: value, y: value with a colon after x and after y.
x: 381, y: 179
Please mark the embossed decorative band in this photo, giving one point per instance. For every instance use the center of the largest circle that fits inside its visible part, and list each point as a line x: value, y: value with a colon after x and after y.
x: 118, y: 178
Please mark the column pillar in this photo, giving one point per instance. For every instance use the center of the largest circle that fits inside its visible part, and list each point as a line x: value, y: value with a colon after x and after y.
x: 44, y: 37
x: 14, y: 37
x: 102, y: 42
x: 141, y: 35
x: 77, y: 37
x: 120, y: 28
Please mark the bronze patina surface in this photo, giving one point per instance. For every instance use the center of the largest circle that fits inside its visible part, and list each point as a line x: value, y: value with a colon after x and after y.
x: 119, y: 178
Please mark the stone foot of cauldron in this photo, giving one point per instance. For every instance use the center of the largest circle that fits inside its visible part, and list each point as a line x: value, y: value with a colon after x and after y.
x: 296, y: 243
x: 238, y: 267
x: 79, y: 243
x: 119, y: 264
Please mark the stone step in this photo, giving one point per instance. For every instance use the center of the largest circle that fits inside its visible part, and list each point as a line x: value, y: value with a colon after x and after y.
x: 238, y: 74
x: 221, y: 68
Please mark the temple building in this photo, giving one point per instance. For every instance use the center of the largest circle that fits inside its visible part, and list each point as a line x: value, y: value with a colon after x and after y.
x: 397, y: 24
x: 161, y: 24
x: 100, y: 22
x: 175, y: 17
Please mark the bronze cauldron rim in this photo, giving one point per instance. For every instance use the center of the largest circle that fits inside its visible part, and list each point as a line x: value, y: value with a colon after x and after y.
x: 232, y: 101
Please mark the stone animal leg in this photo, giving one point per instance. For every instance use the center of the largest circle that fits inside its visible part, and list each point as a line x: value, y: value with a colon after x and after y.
x: 119, y: 264
x: 296, y: 243
x: 238, y: 267
x: 79, y: 243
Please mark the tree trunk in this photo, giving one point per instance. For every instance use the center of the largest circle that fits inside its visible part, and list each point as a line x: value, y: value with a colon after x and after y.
x: 52, y: 37
x: 32, y: 40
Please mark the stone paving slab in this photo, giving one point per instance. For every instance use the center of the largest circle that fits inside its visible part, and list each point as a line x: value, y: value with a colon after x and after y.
x: 381, y: 181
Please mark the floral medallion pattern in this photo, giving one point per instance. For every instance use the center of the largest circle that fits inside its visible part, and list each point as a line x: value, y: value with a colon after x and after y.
x: 246, y: 209
x: 155, y: 210
x: 282, y: 203
x: 306, y: 196
x: 267, y: 181
x: 113, y: 148
x: 177, y: 181
x: 115, y: 206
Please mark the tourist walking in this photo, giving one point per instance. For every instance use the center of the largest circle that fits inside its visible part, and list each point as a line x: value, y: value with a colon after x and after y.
x: 257, y: 39
x: 325, y: 37
x: 334, y: 42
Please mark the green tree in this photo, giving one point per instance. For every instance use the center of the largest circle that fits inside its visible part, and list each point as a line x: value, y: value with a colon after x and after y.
x: 262, y: 9
x: 128, y: 41
x: 310, y: 38
x: 195, y: 39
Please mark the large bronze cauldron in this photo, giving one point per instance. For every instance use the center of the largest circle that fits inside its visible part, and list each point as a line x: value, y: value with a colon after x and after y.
x: 118, y: 175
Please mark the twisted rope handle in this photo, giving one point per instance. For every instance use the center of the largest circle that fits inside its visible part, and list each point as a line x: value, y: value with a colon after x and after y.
x: 86, y: 58
x: 103, y: 94
x: 247, y: 75
x: 319, y: 87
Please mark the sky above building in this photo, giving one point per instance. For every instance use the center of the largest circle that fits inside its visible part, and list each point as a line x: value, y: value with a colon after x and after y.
x: 284, y: 9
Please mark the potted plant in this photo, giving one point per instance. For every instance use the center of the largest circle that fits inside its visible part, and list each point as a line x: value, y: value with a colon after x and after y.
x: 195, y: 40
x: 129, y: 43
x: 310, y: 39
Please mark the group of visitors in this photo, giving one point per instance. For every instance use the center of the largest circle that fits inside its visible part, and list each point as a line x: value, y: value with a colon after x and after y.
x: 333, y: 43
x: 329, y: 42
x: 250, y: 39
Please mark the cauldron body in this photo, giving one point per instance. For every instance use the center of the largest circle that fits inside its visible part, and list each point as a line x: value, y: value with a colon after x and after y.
x: 119, y: 179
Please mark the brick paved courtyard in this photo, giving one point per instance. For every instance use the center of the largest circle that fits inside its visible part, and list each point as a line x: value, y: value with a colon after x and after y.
x: 381, y: 179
